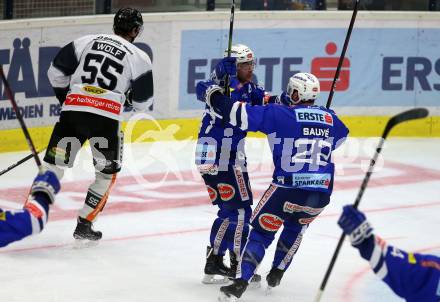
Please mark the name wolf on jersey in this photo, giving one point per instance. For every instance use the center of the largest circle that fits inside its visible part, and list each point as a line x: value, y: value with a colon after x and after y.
x: 110, y: 49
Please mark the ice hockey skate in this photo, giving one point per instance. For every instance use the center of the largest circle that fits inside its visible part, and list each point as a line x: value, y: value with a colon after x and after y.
x: 233, y: 292
x: 85, y: 235
x: 254, y: 283
x: 216, y: 272
x: 273, y: 279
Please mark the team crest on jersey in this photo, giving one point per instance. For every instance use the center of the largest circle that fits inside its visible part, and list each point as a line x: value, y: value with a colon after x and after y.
x: 94, y: 90
x: 2, y: 216
x: 312, y: 115
x: 212, y: 193
x: 226, y: 191
x: 270, y: 222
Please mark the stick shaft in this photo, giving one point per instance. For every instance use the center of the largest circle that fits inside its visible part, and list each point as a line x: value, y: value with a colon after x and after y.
x: 341, y: 58
x: 20, y: 119
x: 25, y: 159
x: 231, y: 31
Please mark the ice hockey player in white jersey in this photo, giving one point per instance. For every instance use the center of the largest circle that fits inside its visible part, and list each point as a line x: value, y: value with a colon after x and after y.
x: 91, y: 77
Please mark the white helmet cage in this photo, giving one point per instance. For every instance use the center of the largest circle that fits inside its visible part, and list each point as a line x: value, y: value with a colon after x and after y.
x: 307, y: 86
x: 242, y: 53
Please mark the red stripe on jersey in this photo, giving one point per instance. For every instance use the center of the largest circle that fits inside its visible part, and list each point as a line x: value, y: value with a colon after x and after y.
x: 94, y: 102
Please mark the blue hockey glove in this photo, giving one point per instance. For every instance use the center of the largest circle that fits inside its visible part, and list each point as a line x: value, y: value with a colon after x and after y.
x: 257, y: 96
x: 46, y: 183
x: 355, y: 225
x: 225, y: 66
x: 285, y: 99
x: 205, y: 89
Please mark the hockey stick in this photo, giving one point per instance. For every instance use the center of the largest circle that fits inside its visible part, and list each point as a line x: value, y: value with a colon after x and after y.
x: 25, y: 159
x: 231, y: 29
x: 341, y: 58
x: 21, y: 120
x: 412, y: 114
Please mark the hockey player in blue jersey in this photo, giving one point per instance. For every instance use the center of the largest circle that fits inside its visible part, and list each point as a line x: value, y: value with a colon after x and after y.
x: 18, y: 224
x: 221, y: 160
x: 302, y: 137
x: 412, y: 276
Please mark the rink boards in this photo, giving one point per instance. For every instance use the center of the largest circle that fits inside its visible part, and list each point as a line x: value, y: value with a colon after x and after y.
x: 392, y: 64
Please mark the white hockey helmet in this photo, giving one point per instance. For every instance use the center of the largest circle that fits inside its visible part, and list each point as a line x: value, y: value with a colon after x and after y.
x: 242, y: 53
x: 307, y: 86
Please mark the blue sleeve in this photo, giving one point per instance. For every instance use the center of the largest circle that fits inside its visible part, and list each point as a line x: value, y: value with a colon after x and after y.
x: 261, y: 118
x: 414, y: 277
x: 341, y: 131
x: 245, y: 116
x: 14, y: 226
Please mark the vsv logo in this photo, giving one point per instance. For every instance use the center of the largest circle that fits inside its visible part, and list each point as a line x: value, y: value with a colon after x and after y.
x: 27, y: 74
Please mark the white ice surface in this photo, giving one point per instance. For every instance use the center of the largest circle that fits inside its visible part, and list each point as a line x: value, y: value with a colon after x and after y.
x: 157, y: 253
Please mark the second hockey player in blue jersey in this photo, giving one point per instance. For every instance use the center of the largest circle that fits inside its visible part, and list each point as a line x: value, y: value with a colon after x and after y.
x: 18, y: 224
x: 412, y: 276
x: 221, y: 160
x: 302, y: 137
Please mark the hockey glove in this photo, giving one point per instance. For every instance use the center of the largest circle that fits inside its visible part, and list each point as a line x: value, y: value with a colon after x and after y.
x: 205, y: 89
x: 46, y: 183
x: 257, y: 96
x: 355, y: 225
x: 225, y: 67
x: 284, y: 99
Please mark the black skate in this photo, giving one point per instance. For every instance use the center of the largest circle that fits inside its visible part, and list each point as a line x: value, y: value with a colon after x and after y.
x: 273, y: 278
x: 84, y: 231
x: 233, y: 292
x: 215, y: 268
x: 255, y: 282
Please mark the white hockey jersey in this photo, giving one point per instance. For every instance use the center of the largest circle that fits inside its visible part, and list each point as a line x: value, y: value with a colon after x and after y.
x: 96, y: 71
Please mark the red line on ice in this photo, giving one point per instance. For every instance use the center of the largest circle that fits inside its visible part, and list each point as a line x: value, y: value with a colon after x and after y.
x: 130, y: 196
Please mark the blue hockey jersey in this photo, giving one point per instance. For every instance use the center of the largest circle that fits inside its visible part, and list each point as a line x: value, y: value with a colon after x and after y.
x: 219, y: 142
x: 301, y: 138
x: 414, y: 277
x: 18, y: 224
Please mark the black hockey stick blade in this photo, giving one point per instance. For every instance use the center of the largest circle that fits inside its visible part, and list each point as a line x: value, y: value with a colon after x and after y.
x: 411, y: 114
x: 23, y: 160
x: 405, y: 116
x: 20, y: 120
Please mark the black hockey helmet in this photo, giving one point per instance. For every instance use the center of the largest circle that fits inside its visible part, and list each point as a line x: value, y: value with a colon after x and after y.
x: 126, y: 19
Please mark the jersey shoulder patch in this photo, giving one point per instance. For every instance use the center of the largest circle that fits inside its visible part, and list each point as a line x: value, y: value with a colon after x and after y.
x: 313, y: 115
